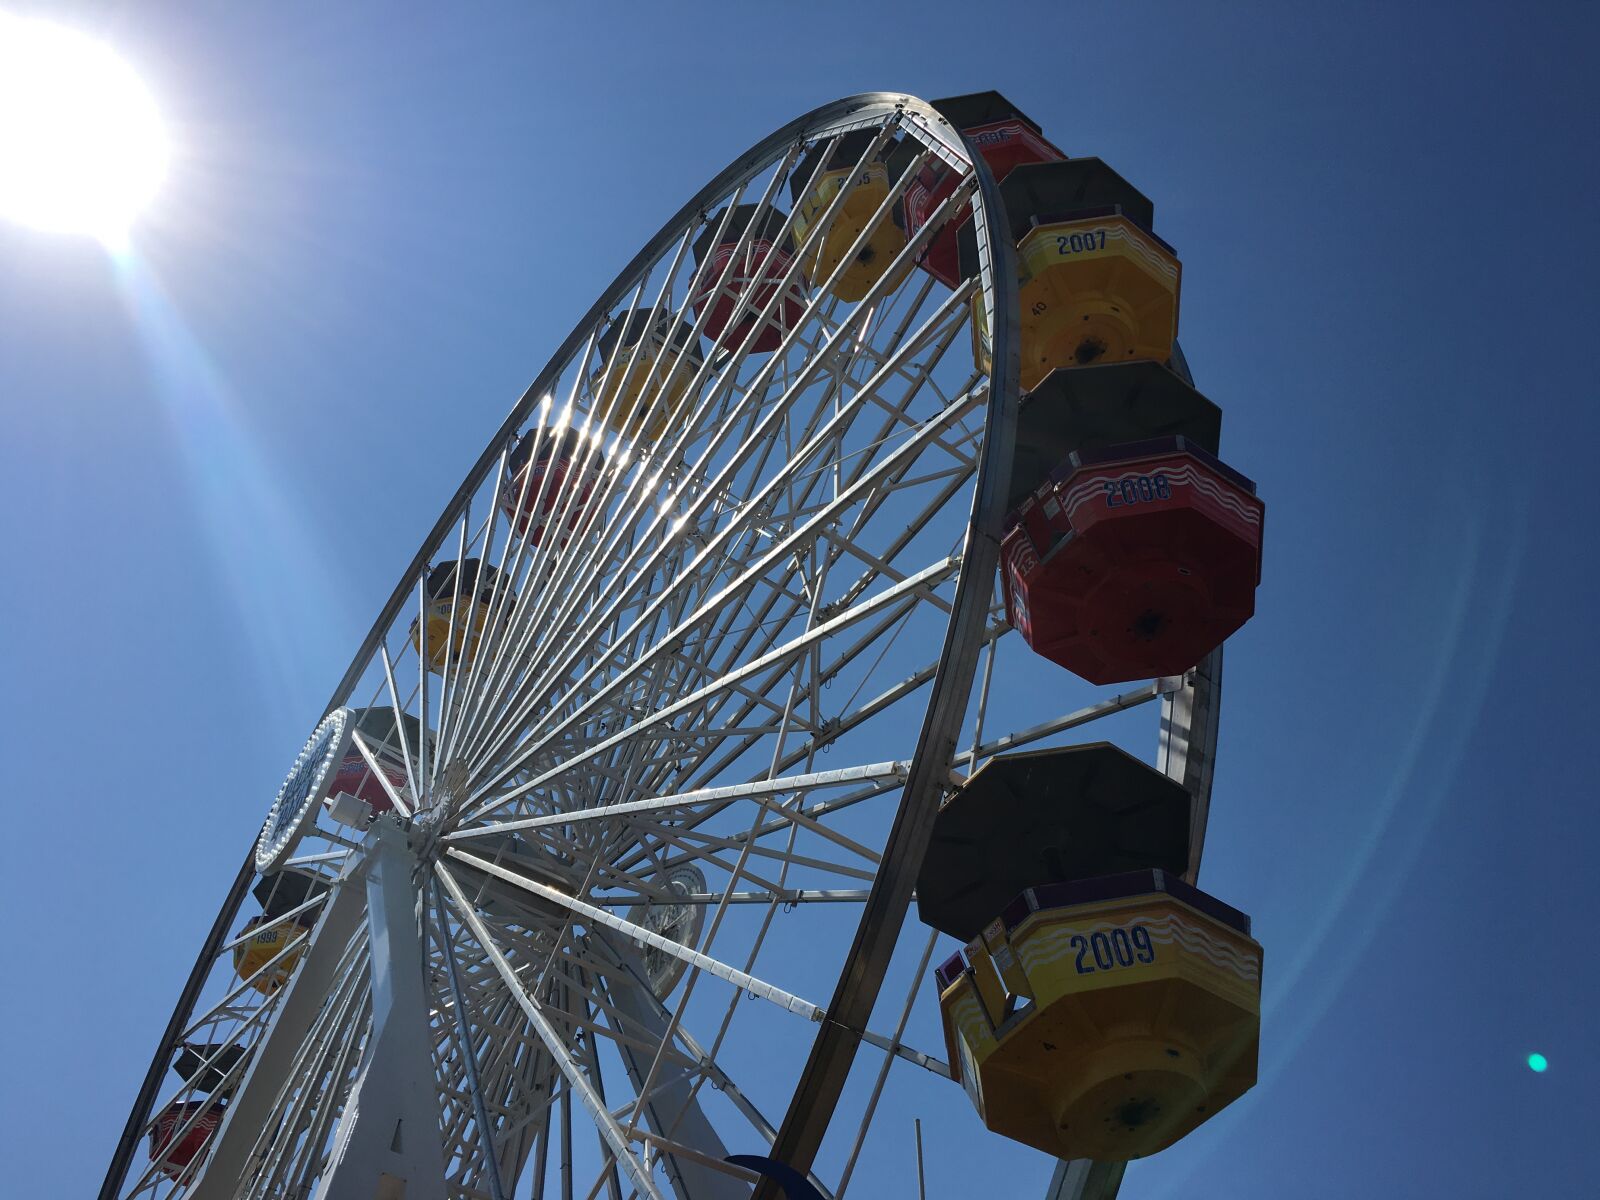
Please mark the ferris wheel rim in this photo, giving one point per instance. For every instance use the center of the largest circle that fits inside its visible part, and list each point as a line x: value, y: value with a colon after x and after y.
x: 823, y: 1077
x: 985, y: 488
x: 864, y: 107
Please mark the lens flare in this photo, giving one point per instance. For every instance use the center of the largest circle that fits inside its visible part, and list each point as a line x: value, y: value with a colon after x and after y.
x: 82, y: 149
x: 257, y: 533
x: 1538, y: 1063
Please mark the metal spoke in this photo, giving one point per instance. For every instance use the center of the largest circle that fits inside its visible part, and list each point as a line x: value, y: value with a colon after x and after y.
x: 644, y: 937
x: 485, y: 1126
x: 558, y: 1051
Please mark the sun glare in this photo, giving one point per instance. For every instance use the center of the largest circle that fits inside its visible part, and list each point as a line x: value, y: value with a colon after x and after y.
x: 81, y: 144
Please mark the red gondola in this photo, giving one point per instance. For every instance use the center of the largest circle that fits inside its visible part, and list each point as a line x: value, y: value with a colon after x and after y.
x: 754, y: 279
x: 1135, y: 561
x: 173, y: 1154
x: 377, y: 728
x: 1006, y: 138
x: 551, y: 477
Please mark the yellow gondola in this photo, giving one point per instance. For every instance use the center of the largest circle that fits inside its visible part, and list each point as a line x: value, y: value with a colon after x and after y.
x: 284, y: 922
x: 1105, y: 1019
x: 868, y: 188
x: 1096, y: 285
x: 1103, y: 1007
x: 638, y: 394
x: 264, y: 944
x: 456, y: 641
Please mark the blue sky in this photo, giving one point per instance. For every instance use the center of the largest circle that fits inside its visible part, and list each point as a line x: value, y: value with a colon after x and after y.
x: 219, y: 454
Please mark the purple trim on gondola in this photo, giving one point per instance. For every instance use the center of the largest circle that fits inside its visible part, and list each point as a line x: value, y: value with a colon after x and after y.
x: 950, y: 970
x: 1116, y: 887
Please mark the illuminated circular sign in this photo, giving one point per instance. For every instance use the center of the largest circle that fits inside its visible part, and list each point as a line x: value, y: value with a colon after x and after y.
x: 296, y: 806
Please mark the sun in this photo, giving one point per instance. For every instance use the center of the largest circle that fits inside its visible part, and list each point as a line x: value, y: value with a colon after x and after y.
x: 82, y: 149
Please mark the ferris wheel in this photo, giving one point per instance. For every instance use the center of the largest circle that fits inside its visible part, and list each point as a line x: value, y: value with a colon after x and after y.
x: 772, y: 618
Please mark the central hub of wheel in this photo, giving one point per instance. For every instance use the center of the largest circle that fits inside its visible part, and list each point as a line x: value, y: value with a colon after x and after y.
x: 491, y: 866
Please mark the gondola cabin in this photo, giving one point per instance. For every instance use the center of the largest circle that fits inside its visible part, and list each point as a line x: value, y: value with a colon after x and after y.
x: 355, y: 776
x: 270, y: 946
x: 457, y: 613
x: 1096, y: 285
x: 1102, y: 1007
x: 268, y: 952
x: 1006, y: 138
x: 182, y: 1129
x: 180, y: 1134
x: 815, y: 184
x: 1134, y: 561
x: 1047, y: 816
x: 738, y: 285
x: 1105, y: 1019
x: 551, y: 478
x: 1106, y: 404
x: 645, y: 370
x: 211, y: 1066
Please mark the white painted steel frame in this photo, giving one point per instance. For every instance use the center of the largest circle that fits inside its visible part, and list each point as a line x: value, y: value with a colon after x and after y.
x: 518, y: 1037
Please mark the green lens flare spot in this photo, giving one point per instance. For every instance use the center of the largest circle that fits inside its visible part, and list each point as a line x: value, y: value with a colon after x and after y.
x: 1537, y: 1063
